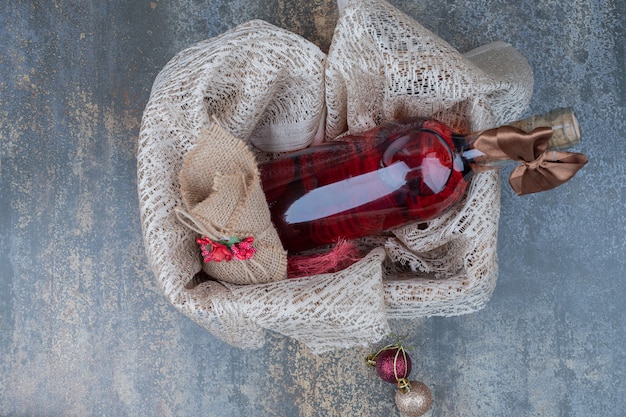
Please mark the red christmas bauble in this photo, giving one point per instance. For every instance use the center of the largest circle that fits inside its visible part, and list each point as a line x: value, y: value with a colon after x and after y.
x: 393, y: 364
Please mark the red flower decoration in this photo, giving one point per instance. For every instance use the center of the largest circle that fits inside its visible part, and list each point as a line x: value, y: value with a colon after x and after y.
x: 220, y: 253
x: 244, y: 249
x: 225, y: 250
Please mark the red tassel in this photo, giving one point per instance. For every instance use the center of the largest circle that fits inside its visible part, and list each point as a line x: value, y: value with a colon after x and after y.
x: 341, y: 256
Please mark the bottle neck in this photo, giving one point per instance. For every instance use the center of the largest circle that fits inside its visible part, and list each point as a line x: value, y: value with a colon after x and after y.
x: 504, y: 145
x: 521, y: 140
x: 541, y: 168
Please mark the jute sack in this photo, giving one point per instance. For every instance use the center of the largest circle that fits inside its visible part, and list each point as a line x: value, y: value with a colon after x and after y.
x: 223, y: 198
x: 275, y: 92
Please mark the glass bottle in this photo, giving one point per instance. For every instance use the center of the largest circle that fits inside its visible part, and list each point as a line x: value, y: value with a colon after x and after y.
x: 398, y: 173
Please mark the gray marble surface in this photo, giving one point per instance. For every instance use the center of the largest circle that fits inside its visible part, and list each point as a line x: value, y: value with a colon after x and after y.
x: 84, y: 329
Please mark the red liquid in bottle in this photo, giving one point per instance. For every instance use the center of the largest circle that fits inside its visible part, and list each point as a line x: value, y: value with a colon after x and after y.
x: 396, y: 174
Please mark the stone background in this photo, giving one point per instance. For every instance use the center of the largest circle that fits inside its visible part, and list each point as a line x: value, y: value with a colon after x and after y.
x: 85, y: 331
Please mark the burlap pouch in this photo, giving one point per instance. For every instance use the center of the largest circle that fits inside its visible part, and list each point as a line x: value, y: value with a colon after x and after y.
x: 223, y: 198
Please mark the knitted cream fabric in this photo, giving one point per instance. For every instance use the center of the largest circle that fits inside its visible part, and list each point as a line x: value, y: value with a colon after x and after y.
x: 278, y: 92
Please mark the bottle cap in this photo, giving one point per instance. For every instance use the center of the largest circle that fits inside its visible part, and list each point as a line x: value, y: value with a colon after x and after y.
x: 566, y: 131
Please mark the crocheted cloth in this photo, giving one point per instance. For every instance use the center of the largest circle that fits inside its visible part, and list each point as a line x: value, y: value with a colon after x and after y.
x: 275, y: 91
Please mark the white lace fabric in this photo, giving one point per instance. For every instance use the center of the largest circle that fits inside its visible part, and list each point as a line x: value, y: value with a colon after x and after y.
x: 278, y: 92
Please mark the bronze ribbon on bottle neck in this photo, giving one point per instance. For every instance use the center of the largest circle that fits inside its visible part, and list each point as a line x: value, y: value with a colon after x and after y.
x: 541, y: 169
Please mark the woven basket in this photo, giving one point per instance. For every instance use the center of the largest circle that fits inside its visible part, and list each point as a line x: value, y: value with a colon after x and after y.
x: 276, y: 92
